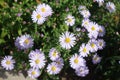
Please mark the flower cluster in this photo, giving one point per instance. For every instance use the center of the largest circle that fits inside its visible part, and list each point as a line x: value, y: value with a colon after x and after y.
x: 109, y: 5
x: 79, y: 64
x: 41, y: 13
x: 66, y: 42
x: 37, y: 61
x: 94, y: 44
x: 57, y: 62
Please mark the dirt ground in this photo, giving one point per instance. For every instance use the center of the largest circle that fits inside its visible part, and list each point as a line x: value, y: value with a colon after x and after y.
x: 13, y: 75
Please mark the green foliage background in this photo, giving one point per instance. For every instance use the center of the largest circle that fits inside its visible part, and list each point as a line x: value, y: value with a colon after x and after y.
x: 12, y: 26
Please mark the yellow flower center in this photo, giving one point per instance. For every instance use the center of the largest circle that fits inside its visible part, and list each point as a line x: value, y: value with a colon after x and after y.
x: 37, y: 61
x: 43, y: 9
x: 100, y: 43
x: 95, y: 58
x: 110, y: 7
x: 69, y: 20
x: 8, y: 62
x: 38, y: 16
x: 92, y: 45
x: 93, y: 28
x: 26, y: 41
x: 33, y: 73
x: 76, y: 61
x: 86, y: 13
x: 54, y: 53
x: 67, y: 40
x: 100, y: 31
x: 84, y: 50
x: 86, y: 23
x: 58, y: 62
x: 81, y: 70
x: 53, y: 68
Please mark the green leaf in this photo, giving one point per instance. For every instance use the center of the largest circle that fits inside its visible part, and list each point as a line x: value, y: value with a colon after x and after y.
x: 19, y: 31
x: 3, y: 33
x: 2, y: 41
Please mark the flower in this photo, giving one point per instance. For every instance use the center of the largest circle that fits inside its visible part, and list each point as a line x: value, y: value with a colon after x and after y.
x: 70, y: 20
x: 78, y: 29
x: 81, y: 7
x: 96, y: 59
x: 93, y: 36
x: 100, y: 2
x: 17, y: 44
x: 93, y: 30
x: 84, y: 50
x: 85, y: 23
x: 101, y: 44
x: 82, y: 71
x: 36, y: 53
x: 60, y: 62
x: 37, y: 60
x: 44, y: 9
x: 67, y: 40
x: 19, y: 14
x: 76, y: 61
x: 8, y: 63
x: 33, y: 73
x: 38, y: 18
x: 85, y: 13
x: 93, y: 45
x: 54, y: 54
x: 53, y: 68
x: 110, y: 7
x: 101, y: 31
x: 24, y: 42
x: 119, y: 62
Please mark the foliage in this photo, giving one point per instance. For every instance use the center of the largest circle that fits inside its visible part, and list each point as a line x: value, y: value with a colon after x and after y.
x: 15, y: 20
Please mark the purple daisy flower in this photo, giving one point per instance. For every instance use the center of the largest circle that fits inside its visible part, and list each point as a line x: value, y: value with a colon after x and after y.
x: 24, y: 42
x: 82, y: 71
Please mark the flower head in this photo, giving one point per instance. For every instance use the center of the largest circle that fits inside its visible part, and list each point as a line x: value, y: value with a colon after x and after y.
x: 33, y: 73
x: 93, y: 35
x: 110, y: 6
x: 96, y: 59
x: 24, y: 42
x: 101, y: 31
x: 100, y: 2
x: 101, y: 44
x: 76, y: 61
x: 81, y: 8
x: 37, y: 17
x: 67, y: 40
x: 70, y: 20
x: 93, y: 45
x: 54, y: 54
x: 84, y: 50
x: 44, y: 9
x: 37, y: 53
x: 60, y: 62
x: 8, y: 63
x: 53, y: 68
x: 82, y: 71
x: 85, y: 23
x: 93, y: 30
x: 85, y: 13
x: 37, y: 60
